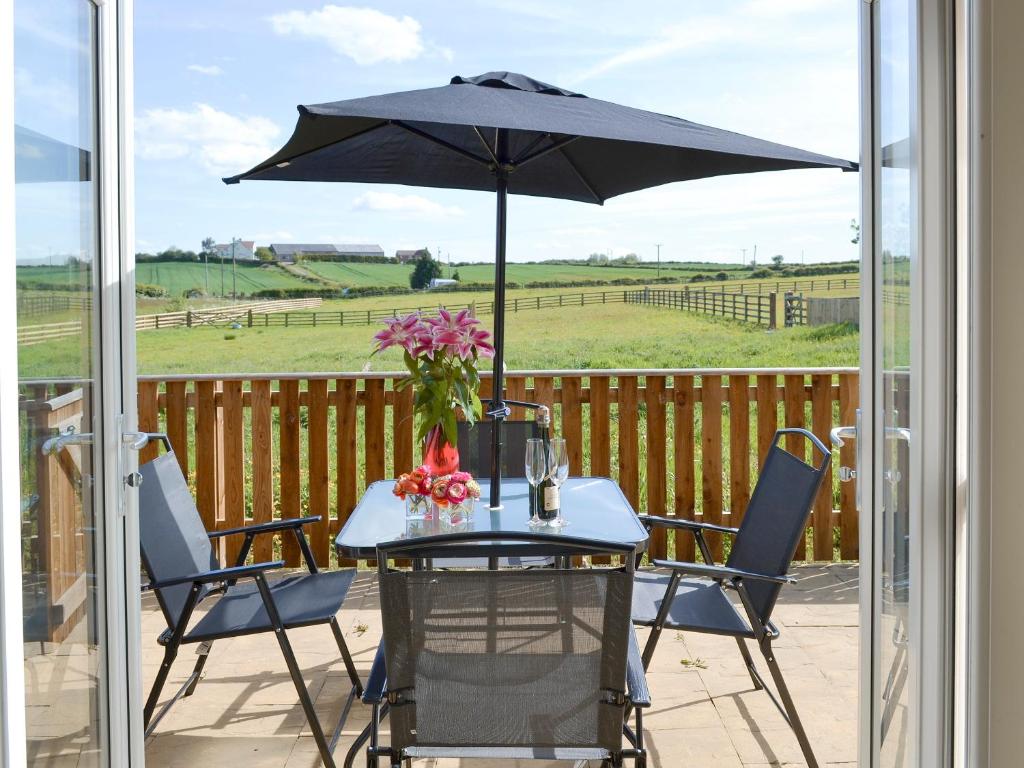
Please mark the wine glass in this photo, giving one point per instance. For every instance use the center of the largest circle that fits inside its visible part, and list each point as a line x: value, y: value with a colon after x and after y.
x: 536, y: 471
x: 558, y: 469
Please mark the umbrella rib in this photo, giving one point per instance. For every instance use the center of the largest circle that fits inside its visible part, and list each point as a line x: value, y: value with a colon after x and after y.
x: 494, y: 157
x: 579, y: 175
x: 442, y: 143
x: 541, y: 152
x: 530, y: 147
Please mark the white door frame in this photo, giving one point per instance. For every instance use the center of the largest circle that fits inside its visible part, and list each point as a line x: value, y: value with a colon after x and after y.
x: 118, y: 371
x: 12, y: 650
x: 931, y: 618
x: 118, y: 583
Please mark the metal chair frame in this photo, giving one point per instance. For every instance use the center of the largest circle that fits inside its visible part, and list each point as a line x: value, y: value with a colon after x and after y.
x: 761, y: 628
x: 225, y: 578
x: 561, y: 548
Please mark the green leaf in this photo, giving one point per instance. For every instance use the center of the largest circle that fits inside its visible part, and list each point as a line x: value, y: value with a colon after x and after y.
x: 451, y: 427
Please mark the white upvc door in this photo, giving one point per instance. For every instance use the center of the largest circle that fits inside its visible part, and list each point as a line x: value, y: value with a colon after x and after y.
x: 70, y: 581
x: 908, y: 365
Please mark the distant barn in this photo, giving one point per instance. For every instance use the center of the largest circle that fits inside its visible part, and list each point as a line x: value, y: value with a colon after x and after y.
x: 290, y: 252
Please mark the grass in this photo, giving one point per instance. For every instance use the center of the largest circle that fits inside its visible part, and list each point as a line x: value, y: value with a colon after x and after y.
x: 179, y: 277
x: 596, y: 336
x: 614, y: 336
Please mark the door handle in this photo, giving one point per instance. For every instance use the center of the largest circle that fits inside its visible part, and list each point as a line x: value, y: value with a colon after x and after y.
x: 136, y: 441
x: 58, y: 443
x: 839, y: 436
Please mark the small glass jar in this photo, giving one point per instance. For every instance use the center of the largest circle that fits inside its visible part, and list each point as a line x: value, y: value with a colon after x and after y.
x: 417, y: 507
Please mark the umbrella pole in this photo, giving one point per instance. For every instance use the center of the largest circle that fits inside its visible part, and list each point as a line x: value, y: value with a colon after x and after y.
x: 497, y: 408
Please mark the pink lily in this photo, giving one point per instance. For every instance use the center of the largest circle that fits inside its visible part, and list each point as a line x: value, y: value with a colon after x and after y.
x: 402, y: 332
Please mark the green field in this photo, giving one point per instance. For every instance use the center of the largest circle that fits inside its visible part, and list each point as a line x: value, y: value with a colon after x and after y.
x: 179, y: 277
x: 398, y: 274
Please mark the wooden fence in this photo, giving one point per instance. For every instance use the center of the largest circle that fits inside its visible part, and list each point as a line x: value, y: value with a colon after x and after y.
x: 370, y: 316
x: 750, y: 308
x: 216, y: 315
x: 679, y: 442
x: 812, y: 284
x: 29, y: 306
x: 36, y: 334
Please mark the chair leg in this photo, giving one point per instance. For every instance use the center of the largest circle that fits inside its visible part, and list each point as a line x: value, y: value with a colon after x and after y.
x: 787, y: 702
x: 295, y: 672
x: 748, y: 660
x: 204, y: 652
x: 170, y: 652
x: 659, y: 620
x: 346, y: 656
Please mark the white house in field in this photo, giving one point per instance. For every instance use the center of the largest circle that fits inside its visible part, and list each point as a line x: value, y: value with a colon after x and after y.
x: 245, y: 250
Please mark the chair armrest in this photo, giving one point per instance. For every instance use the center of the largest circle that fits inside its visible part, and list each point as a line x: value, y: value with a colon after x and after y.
x: 221, y: 574
x: 373, y: 693
x: 722, y: 572
x: 274, y: 525
x: 687, y: 525
x: 636, y: 677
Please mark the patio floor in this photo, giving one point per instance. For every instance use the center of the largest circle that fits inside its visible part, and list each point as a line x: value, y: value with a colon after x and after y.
x: 704, y: 712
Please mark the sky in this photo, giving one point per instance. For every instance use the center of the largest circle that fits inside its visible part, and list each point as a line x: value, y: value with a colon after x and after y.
x: 217, y: 83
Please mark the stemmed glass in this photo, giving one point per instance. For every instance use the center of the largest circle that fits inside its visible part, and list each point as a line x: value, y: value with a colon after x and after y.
x: 536, y: 471
x: 558, y: 469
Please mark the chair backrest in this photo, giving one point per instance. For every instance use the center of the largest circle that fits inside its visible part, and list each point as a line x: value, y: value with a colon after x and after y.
x: 475, y: 447
x: 775, y: 521
x: 506, y: 658
x: 172, y: 536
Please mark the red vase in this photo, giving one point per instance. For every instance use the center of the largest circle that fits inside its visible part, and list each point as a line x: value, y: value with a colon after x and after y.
x: 438, y: 454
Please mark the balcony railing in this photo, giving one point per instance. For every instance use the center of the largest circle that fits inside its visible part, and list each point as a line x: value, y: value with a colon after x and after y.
x: 686, y: 443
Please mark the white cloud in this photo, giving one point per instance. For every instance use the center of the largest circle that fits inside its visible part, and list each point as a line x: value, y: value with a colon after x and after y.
x: 391, y: 202
x: 220, y: 142
x: 745, y: 23
x: 364, y: 35
x: 673, y: 40
x: 206, y: 69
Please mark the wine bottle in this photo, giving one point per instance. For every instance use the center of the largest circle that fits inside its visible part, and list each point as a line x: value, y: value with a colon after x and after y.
x: 546, y: 498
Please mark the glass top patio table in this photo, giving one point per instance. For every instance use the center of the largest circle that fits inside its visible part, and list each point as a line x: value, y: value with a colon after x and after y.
x: 594, y: 507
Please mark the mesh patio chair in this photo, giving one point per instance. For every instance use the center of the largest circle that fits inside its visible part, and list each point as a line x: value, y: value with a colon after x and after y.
x: 474, y: 444
x: 762, y: 550
x: 475, y: 458
x: 513, y: 663
x: 183, y: 572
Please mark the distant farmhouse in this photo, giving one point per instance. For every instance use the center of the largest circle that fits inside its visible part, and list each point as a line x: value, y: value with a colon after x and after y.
x: 407, y: 257
x: 290, y: 252
x: 244, y: 250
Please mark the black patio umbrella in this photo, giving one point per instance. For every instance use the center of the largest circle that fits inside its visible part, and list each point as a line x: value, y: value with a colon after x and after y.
x: 509, y: 133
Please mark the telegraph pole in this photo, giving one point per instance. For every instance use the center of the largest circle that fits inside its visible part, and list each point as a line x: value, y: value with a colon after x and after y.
x: 234, y: 280
x: 755, y: 254
x: 744, y: 256
x: 658, y: 246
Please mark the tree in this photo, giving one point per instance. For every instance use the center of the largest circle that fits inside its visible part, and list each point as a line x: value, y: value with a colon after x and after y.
x: 456, y: 277
x: 264, y: 254
x: 598, y: 259
x: 777, y: 260
x: 208, y: 244
x: 425, y: 270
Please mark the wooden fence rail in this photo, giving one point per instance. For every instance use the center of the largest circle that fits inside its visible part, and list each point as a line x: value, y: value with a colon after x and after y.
x: 36, y: 334
x: 679, y: 442
x: 749, y: 308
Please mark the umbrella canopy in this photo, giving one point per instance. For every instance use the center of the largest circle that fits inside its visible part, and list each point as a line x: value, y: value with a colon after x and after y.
x: 508, y: 133
x: 559, y: 144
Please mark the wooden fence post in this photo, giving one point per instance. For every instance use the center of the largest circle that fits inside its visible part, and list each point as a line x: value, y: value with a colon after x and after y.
x: 772, y: 311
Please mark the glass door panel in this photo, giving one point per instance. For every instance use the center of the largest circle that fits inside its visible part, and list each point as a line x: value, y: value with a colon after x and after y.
x: 895, y: 262
x: 57, y: 266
